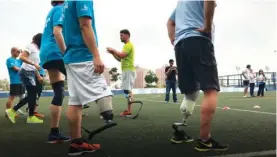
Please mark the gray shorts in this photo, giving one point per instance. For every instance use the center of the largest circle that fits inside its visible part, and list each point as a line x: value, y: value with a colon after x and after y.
x: 128, y: 80
x: 28, y: 78
x: 85, y: 86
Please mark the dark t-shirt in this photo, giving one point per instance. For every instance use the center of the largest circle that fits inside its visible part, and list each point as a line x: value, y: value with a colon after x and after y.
x: 172, y: 74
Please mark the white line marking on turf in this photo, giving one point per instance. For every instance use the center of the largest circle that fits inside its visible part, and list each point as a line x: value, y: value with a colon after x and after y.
x: 234, y: 109
x: 251, y: 154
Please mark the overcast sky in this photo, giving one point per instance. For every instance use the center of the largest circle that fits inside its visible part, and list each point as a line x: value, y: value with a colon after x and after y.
x: 245, y: 30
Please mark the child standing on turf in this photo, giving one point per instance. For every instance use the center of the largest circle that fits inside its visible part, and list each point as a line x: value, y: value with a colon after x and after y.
x: 261, y: 82
x: 252, y: 81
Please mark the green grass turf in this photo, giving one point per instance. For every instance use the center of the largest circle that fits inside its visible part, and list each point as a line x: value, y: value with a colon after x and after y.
x: 148, y: 136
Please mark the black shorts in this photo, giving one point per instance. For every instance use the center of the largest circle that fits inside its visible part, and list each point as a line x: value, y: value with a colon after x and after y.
x: 245, y: 83
x: 17, y: 89
x: 55, y: 64
x: 197, y: 67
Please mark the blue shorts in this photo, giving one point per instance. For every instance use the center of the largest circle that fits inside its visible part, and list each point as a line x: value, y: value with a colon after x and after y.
x: 28, y: 78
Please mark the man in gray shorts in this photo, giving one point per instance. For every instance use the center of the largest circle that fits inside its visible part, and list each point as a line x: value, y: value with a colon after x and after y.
x: 126, y: 57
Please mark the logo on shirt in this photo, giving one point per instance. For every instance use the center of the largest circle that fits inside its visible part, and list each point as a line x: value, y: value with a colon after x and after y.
x: 85, y: 8
x: 61, y: 18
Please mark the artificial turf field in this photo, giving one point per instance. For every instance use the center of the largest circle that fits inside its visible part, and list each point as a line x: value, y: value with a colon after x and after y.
x: 244, y: 128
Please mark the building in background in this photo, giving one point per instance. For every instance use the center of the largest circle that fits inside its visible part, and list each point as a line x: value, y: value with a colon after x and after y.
x: 140, y: 82
x: 160, y: 73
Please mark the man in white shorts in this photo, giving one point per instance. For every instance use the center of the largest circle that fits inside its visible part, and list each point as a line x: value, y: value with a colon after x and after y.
x: 126, y: 57
x: 84, y: 69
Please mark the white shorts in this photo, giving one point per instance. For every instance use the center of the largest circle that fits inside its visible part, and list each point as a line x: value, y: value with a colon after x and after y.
x: 128, y: 80
x: 85, y: 86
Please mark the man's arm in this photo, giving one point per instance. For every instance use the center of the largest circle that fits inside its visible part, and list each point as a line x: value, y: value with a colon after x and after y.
x: 176, y: 70
x: 119, y: 55
x: 171, y: 27
x: 168, y: 71
x: 88, y: 35
x: 117, y: 58
x: 59, y: 38
x: 244, y: 74
x: 84, y: 10
x: 209, y: 7
x: 12, y: 66
x: 24, y: 57
x: 15, y: 68
x: 57, y: 30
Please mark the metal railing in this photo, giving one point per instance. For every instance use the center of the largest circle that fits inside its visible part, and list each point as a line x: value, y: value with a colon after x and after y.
x: 237, y: 80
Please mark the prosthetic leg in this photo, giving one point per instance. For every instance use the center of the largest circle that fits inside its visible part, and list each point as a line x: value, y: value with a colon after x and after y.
x: 106, y: 110
x: 179, y: 136
x: 128, y: 97
x: 86, y: 106
x: 186, y: 108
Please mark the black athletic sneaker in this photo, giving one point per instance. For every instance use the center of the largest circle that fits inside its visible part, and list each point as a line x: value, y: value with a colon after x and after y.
x: 180, y: 137
x: 81, y: 147
x: 210, y: 145
x: 54, y: 138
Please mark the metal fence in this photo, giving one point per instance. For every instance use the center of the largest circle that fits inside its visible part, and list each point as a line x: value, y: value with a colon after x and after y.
x: 237, y: 80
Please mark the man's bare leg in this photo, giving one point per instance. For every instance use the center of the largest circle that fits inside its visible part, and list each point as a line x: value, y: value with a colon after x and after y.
x: 9, y: 103
x: 208, y: 108
x: 74, y: 116
x: 245, y: 91
x: 57, y: 83
x: 55, y: 76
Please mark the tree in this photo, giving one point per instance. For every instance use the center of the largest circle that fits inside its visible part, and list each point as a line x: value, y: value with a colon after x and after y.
x: 151, y: 78
x: 4, y: 84
x: 114, y: 74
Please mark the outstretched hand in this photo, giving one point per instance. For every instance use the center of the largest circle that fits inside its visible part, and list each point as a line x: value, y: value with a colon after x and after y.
x: 110, y: 50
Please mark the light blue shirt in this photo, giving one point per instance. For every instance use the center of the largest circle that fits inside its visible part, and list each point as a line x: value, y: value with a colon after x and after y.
x: 49, y: 49
x: 77, y: 51
x: 189, y: 16
x: 14, y: 75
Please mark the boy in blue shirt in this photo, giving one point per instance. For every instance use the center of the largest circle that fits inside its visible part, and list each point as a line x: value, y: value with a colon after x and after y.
x: 52, y: 48
x: 84, y: 69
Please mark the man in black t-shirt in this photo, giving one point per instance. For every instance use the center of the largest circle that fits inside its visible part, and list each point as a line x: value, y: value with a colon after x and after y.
x: 171, y: 72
